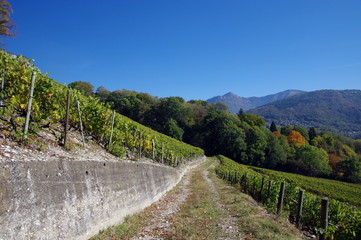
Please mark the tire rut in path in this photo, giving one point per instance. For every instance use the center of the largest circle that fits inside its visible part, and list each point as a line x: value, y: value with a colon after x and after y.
x: 228, y: 224
x: 159, y: 226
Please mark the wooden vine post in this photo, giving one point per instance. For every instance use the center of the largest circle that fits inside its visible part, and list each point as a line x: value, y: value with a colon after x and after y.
x: 260, y: 192
x: 134, y: 138
x: 280, y: 198
x: 106, y: 124
x: 81, y: 123
x: 269, y: 189
x: 140, y: 145
x: 162, y: 153
x: 66, y: 130
x: 2, y: 86
x: 111, y: 132
x: 299, y: 208
x: 244, y: 183
x: 28, y: 112
x: 254, y: 186
x: 153, y: 149
x: 324, y: 217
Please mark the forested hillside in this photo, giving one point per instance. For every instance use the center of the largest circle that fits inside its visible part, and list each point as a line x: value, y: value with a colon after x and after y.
x: 332, y: 110
x: 242, y: 137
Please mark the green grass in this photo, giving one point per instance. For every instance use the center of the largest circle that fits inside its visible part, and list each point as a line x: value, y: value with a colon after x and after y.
x: 198, y: 215
x: 131, y: 225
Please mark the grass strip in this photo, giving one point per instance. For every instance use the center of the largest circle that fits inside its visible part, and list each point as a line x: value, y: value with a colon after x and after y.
x: 253, y: 220
x: 131, y: 225
x: 199, y: 215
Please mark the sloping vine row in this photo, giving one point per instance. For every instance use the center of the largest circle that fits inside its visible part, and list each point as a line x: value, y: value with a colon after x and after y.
x: 49, y: 107
x: 344, y: 221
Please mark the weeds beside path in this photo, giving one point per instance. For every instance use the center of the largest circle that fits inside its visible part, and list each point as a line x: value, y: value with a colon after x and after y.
x: 202, y: 207
x: 251, y: 219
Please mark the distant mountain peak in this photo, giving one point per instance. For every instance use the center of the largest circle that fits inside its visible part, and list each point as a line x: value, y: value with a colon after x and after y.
x: 235, y: 102
x: 230, y: 94
x: 332, y: 110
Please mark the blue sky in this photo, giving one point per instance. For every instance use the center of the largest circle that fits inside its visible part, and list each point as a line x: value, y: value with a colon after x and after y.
x: 195, y: 49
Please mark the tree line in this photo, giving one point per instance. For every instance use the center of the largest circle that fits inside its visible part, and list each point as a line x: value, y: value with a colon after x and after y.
x: 243, y: 137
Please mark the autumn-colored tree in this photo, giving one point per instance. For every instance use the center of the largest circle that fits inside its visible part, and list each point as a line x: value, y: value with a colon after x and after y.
x: 277, y: 133
x: 296, y: 138
x: 303, y: 131
x: 6, y: 25
x: 333, y: 159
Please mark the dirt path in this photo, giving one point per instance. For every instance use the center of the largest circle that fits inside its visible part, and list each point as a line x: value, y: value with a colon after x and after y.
x: 159, y: 226
x: 228, y: 223
x: 202, y: 206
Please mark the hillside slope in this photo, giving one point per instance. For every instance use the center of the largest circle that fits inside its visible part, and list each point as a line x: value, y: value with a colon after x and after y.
x: 332, y: 110
x: 235, y: 102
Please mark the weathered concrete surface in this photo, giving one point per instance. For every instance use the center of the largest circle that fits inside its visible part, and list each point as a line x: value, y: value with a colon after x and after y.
x: 76, y: 199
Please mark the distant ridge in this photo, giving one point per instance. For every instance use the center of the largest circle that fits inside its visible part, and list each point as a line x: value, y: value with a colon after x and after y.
x: 235, y: 102
x: 338, y: 111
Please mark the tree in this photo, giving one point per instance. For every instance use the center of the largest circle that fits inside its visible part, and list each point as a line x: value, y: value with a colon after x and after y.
x: 240, y: 113
x: 256, y: 146
x: 302, y: 130
x: 252, y: 119
x: 296, y: 138
x: 314, y: 161
x: 84, y: 87
x: 221, y: 107
x: 286, y: 130
x: 357, y: 146
x: 276, y: 151
x: 172, y: 129
x: 221, y: 133
x: 312, y: 133
x: 6, y: 25
x: 351, y: 169
x: 273, y: 127
x: 102, y: 93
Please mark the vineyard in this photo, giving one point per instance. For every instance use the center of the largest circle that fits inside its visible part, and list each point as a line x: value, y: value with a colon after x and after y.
x: 118, y: 134
x: 344, y: 221
x: 342, y: 191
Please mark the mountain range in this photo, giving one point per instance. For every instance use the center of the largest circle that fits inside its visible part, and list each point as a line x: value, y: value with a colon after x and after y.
x: 337, y: 111
x: 235, y: 102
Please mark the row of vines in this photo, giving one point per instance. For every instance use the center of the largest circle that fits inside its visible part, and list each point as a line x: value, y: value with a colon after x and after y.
x: 344, y: 221
x: 49, y: 107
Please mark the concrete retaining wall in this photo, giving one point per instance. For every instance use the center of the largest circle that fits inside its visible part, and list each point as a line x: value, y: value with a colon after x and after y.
x: 74, y: 200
